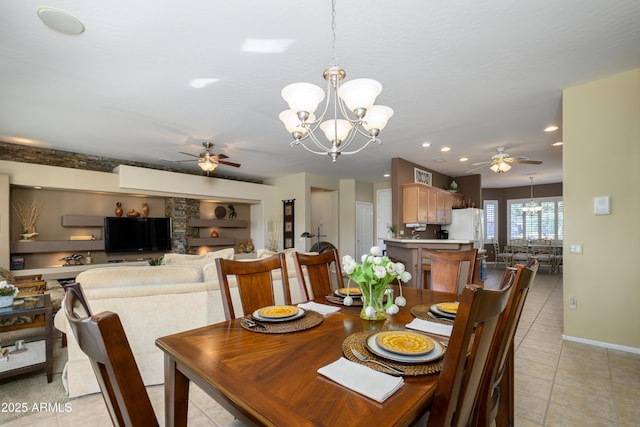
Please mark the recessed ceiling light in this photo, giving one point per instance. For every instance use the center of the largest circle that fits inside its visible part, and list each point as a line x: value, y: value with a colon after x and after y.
x: 60, y: 21
x: 464, y: 159
x: 557, y: 144
x: 200, y: 83
x: 426, y: 144
x: 551, y: 128
x: 445, y: 149
x: 266, y: 45
x: 387, y: 175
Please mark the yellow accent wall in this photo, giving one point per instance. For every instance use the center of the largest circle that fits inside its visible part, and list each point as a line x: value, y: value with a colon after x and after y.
x: 601, y: 157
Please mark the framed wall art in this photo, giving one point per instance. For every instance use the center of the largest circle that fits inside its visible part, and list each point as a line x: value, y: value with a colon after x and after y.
x: 421, y: 176
x: 289, y: 229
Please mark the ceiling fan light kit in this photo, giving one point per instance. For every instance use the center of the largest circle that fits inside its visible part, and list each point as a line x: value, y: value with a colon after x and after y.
x: 353, y: 101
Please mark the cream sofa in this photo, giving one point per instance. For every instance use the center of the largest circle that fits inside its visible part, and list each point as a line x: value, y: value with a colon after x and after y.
x: 181, y: 294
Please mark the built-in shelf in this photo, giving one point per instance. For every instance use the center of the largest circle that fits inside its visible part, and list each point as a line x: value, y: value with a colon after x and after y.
x: 82, y: 221
x: 211, y: 241
x: 222, y: 223
x: 37, y: 246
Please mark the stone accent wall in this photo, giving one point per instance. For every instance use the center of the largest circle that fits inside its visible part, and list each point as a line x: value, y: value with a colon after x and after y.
x: 67, y: 159
x: 180, y: 210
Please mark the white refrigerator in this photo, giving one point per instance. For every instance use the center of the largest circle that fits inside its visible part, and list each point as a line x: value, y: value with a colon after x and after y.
x: 467, y: 224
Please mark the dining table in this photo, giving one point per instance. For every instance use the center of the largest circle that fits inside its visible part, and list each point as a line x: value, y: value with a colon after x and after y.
x: 271, y: 379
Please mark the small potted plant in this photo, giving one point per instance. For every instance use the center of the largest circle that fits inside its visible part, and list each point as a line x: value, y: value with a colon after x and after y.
x: 391, y: 230
x: 7, y: 293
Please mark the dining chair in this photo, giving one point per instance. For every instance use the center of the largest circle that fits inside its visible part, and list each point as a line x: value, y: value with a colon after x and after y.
x: 505, y: 256
x: 103, y: 339
x: 542, y: 250
x: 467, y: 355
x: 254, y: 281
x: 447, y: 271
x: 493, y: 400
x: 519, y: 251
x: 317, y: 272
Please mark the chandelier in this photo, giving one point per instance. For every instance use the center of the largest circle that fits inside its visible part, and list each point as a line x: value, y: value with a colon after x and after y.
x: 353, y: 100
x: 531, y: 206
x: 500, y: 167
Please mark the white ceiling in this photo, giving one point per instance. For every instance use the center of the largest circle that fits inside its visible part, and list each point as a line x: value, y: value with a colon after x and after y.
x: 471, y: 75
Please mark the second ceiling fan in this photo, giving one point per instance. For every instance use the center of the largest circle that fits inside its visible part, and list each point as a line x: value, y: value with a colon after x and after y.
x: 207, y: 160
x: 501, y: 162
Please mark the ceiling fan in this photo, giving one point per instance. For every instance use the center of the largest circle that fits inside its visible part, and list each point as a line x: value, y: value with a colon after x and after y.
x: 500, y: 162
x: 207, y: 160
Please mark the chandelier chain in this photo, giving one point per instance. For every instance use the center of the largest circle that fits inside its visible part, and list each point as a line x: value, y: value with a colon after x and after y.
x: 334, y: 58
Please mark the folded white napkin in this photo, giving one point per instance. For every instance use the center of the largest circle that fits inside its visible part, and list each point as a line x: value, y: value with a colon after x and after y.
x: 373, y: 384
x: 431, y: 327
x: 320, y: 308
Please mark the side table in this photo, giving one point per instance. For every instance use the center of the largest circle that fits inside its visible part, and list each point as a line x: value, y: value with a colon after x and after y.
x: 36, y: 305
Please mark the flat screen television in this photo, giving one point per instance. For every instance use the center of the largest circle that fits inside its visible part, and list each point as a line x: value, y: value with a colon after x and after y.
x: 126, y: 234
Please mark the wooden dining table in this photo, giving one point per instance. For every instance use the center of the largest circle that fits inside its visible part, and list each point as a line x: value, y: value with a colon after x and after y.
x: 272, y: 379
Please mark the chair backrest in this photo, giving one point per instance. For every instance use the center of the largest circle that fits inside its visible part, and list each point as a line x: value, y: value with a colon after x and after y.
x: 449, y: 270
x: 102, y: 338
x: 490, y: 396
x: 255, y: 283
x: 473, y: 335
x: 317, y: 269
x: 519, y: 245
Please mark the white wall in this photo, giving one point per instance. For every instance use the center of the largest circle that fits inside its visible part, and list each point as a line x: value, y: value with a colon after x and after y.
x: 601, y: 157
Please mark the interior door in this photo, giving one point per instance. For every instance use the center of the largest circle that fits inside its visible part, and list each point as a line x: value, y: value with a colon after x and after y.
x: 364, y: 228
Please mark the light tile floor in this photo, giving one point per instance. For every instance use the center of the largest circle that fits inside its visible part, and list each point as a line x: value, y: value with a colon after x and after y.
x: 558, y: 383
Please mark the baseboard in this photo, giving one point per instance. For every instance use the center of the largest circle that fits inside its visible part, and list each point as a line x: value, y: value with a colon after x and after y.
x: 602, y: 344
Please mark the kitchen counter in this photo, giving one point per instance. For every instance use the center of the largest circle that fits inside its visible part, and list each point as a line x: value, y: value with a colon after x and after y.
x: 406, y: 250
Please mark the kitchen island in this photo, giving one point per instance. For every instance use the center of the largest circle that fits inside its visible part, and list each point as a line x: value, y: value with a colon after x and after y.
x: 406, y: 251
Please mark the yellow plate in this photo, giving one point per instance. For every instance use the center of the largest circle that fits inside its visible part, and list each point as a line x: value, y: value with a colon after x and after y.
x: 350, y: 291
x: 403, y: 342
x: 448, y: 307
x: 278, y: 311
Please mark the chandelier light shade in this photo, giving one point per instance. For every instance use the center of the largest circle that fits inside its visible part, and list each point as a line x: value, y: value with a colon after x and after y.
x: 531, y: 206
x: 349, y: 111
x: 500, y: 167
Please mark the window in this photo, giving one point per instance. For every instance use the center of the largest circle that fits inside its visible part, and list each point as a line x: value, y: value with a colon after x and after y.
x: 545, y: 224
x: 490, y: 220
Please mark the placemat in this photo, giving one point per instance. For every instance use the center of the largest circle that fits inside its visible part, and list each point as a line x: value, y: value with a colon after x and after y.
x: 359, y: 342
x: 357, y: 302
x: 308, y: 321
x: 421, y: 312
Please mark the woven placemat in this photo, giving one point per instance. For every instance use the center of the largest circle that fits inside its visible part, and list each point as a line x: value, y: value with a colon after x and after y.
x: 308, y: 321
x: 357, y: 302
x: 421, y: 312
x: 359, y: 342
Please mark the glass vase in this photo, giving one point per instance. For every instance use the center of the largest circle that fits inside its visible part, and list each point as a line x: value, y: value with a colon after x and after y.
x: 373, y: 302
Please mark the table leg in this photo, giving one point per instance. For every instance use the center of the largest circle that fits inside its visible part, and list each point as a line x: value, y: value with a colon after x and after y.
x: 176, y: 394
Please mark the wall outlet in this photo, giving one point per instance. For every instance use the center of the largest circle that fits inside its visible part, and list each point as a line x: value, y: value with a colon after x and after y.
x: 573, y: 303
x: 402, y: 232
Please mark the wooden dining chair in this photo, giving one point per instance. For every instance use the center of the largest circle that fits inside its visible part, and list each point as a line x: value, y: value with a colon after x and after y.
x: 317, y: 272
x: 467, y: 355
x: 446, y: 271
x: 255, y: 283
x: 102, y: 338
x: 496, y: 391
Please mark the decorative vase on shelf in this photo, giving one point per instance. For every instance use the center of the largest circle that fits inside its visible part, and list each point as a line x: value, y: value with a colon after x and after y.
x: 145, y: 210
x: 6, y: 301
x: 119, y: 209
x: 214, y: 234
x: 133, y: 213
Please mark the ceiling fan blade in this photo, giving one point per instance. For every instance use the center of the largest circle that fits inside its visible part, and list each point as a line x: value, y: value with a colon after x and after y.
x: 179, y: 161
x: 482, y: 163
x: 479, y: 167
x: 221, y: 156
x: 530, y: 162
x: 187, y: 154
x: 235, y: 165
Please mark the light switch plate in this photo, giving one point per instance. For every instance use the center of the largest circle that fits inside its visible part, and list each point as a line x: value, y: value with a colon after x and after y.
x: 602, y: 205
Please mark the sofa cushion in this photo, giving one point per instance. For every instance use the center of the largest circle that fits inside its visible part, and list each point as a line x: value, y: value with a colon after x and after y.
x: 113, y: 277
x: 197, y: 260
